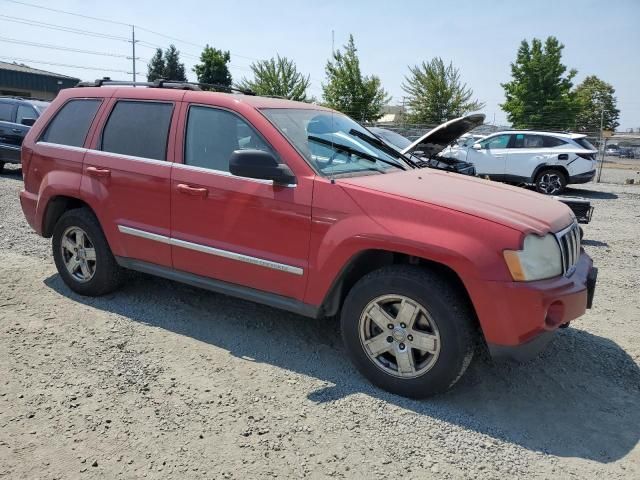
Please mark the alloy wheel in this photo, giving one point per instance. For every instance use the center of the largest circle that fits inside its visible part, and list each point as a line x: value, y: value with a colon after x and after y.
x: 78, y: 254
x: 550, y: 183
x: 399, y: 336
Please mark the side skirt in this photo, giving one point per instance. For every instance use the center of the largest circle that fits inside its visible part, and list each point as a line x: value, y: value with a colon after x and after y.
x: 231, y: 289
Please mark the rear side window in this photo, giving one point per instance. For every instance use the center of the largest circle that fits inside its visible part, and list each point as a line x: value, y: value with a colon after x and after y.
x: 213, y: 135
x: 71, y: 123
x: 536, y: 141
x: 6, y: 111
x: 140, y: 129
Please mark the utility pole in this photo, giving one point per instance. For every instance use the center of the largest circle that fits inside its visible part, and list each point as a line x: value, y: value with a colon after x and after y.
x: 333, y: 41
x: 133, y: 58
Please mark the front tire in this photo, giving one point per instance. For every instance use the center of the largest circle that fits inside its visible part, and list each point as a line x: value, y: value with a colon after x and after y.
x: 551, y: 182
x: 408, y: 330
x: 82, y: 255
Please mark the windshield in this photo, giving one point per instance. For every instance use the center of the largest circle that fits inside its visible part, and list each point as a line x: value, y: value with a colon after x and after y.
x: 392, y: 137
x: 333, y: 143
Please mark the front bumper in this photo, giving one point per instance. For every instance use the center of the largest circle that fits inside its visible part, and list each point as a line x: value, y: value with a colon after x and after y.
x: 523, y: 320
x: 582, y: 177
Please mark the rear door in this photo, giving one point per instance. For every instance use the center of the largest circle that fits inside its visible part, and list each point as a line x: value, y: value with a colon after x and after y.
x: 528, y: 151
x: 9, y: 133
x: 239, y: 230
x: 491, y: 158
x: 127, y: 174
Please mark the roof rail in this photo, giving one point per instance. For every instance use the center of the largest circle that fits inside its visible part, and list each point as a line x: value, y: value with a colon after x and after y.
x: 162, y: 83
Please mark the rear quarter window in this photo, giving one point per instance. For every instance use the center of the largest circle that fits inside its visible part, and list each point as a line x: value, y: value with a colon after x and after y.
x: 71, y: 124
x: 139, y: 129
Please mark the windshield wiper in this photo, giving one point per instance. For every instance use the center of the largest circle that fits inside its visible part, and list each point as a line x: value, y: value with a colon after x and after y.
x: 377, y: 142
x: 343, y: 148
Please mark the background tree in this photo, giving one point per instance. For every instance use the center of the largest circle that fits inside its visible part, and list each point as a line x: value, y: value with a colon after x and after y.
x: 595, y: 96
x: 173, y: 68
x: 436, y: 93
x: 348, y: 91
x: 279, y: 77
x: 155, y: 68
x: 539, y: 95
x: 213, y: 67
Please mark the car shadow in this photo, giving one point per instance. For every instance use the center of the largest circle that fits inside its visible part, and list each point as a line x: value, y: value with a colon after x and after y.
x: 590, y: 194
x: 578, y: 399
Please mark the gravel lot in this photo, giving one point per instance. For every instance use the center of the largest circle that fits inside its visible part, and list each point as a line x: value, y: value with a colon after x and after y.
x: 166, y: 381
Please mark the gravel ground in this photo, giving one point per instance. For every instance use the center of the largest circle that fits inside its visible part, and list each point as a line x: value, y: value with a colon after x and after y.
x: 161, y: 380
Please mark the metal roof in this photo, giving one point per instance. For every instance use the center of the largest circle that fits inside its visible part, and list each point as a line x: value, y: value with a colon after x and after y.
x: 19, y: 67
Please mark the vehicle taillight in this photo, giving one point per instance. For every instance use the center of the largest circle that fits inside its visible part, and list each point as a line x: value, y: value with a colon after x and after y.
x: 25, y: 159
x: 587, y: 156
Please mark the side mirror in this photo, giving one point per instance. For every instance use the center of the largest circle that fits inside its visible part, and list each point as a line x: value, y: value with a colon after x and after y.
x: 28, y: 121
x: 476, y: 146
x: 260, y: 164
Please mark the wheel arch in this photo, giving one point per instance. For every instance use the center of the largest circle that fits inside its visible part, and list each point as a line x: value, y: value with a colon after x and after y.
x: 367, y: 261
x: 545, y: 166
x: 56, y: 207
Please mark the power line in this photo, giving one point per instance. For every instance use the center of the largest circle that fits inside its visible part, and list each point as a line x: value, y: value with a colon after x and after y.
x: 56, y: 47
x: 68, y: 13
x: 62, y: 28
x: 97, y: 69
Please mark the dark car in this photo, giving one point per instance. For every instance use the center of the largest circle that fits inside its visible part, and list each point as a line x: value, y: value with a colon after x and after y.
x: 626, y: 152
x: 425, y: 151
x: 16, y: 117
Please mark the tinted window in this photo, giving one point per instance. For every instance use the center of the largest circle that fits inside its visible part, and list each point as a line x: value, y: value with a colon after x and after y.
x: 25, y: 111
x: 213, y: 135
x: 140, y: 129
x: 499, y: 141
x: 71, y: 123
x: 6, y: 109
x: 522, y: 140
x: 583, y: 142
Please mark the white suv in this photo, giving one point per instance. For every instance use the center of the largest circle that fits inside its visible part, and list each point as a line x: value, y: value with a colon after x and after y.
x: 550, y: 161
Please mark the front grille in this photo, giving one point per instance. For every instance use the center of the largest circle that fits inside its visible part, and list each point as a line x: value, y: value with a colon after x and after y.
x: 569, y: 240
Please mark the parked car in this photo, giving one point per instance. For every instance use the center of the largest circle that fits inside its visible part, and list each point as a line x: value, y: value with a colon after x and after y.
x: 438, y: 142
x: 427, y: 150
x: 612, y: 151
x: 298, y: 207
x: 626, y: 152
x: 16, y: 117
x: 547, y: 160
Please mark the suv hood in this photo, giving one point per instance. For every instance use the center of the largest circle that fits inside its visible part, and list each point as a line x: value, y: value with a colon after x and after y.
x: 512, y: 207
x: 436, y: 140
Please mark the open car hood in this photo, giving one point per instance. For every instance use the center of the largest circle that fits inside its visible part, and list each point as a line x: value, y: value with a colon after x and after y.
x: 436, y: 140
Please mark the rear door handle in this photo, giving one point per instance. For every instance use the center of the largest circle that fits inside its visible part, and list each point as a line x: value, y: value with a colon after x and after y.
x: 189, y: 190
x: 98, y: 172
x: 16, y: 130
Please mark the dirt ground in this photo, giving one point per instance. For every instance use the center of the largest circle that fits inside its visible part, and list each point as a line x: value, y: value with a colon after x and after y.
x: 161, y: 380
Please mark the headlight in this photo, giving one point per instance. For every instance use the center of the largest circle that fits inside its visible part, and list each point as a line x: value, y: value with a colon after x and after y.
x: 539, y: 258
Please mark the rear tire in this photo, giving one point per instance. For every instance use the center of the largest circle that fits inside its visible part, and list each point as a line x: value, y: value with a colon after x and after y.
x: 82, y: 255
x: 551, y: 181
x: 434, y: 348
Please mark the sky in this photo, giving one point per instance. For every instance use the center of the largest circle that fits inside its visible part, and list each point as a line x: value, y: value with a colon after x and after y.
x: 481, y: 38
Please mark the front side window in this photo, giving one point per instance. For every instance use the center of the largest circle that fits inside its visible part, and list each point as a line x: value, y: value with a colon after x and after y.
x: 214, y: 134
x: 499, y: 141
x: 333, y: 143
x: 25, y: 111
x: 72, y: 122
x: 139, y: 129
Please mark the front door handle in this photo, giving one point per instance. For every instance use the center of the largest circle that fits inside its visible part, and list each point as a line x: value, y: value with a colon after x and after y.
x: 98, y: 172
x: 196, y: 191
x: 16, y: 130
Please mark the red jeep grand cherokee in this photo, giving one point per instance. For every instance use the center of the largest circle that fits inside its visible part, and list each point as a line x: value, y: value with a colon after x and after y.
x: 301, y: 208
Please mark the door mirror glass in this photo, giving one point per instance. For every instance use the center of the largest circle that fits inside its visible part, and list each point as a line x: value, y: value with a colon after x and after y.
x: 261, y: 165
x: 28, y: 121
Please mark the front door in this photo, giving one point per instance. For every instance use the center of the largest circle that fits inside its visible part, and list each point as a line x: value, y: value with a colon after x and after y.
x: 239, y: 230
x: 491, y: 158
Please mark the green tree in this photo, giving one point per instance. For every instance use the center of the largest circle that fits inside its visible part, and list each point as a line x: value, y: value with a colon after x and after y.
x: 213, y: 67
x: 347, y: 90
x: 155, y: 68
x: 173, y: 69
x: 596, y: 102
x: 539, y: 94
x: 436, y: 93
x: 279, y: 77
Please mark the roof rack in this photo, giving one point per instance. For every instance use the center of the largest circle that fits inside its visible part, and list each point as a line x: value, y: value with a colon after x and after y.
x: 162, y: 83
